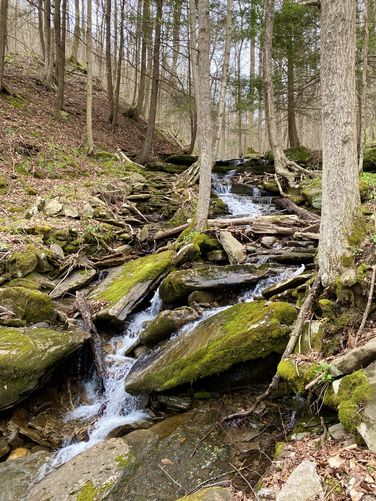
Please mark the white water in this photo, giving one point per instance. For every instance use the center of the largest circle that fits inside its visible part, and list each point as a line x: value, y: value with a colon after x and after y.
x: 238, y: 205
x: 116, y: 407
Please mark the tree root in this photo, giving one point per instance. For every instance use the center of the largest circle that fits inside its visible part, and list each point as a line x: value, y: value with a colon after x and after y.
x: 298, y: 328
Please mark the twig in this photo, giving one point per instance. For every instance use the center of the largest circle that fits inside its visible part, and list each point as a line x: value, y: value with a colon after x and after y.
x: 243, y: 477
x: 202, y: 439
x: 170, y: 477
x: 368, y: 307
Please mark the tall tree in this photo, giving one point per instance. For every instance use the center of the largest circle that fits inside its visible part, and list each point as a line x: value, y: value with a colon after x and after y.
x: 48, y: 45
x: 60, y: 15
x: 363, y: 93
x: 341, y: 219
x: 3, y: 39
x: 77, y: 31
x: 144, y: 154
x: 89, y: 80
x: 110, y: 86
x: 146, y: 27
x: 119, y: 66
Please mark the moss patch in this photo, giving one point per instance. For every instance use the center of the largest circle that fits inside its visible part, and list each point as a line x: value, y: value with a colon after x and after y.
x: 29, y: 305
x: 354, y: 391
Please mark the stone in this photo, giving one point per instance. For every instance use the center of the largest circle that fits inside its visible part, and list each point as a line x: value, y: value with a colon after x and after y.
x: 166, y: 323
x: 185, y: 254
x: 268, y: 241
x: 57, y: 251
x: 175, y: 402
x: 26, y: 304
x: 87, y: 211
x: 43, y: 265
x: 289, y: 283
x: 202, y: 298
x: 53, y: 207
x: 354, y: 359
x: 124, y: 429
x: 216, y: 256
x: 246, y: 331
x: 209, y: 494
x: 235, y: 251
x: 367, y: 428
x: 126, y: 286
x: 27, y: 356
x: 140, y: 350
x: 21, y: 263
x: 75, y: 281
x: 302, y: 485
x: 70, y: 211
x: 179, y: 284
x: 21, y: 452
x: 18, y: 475
x: 4, y: 447
x: 338, y: 432
x: 34, y: 281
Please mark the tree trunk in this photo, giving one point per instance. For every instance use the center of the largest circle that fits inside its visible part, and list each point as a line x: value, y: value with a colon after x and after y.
x: 292, y: 129
x: 363, y: 95
x: 60, y: 31
x: 48, y: 60
x: 40, y: 28
x: 341, y: 220
x: 239, y: 99
x: 176, y: 36
x: 119, y: 66
x: 145, y: 28
x: 110, y: 89
x: 154, y: 89
x: 225, y: 75
x: 3, y: 39
x: 77, y: 31
x: 204, y: 120
x: 89, y: 80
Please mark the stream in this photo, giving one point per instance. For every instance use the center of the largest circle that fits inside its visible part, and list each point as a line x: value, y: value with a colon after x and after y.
x: 113, y: 406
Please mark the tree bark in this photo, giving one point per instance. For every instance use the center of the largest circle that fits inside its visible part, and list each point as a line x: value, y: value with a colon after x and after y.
x: 60, y: 32
x: 341, y: 220
x: 3, y: 39
x: 89, y: 80
x: 77, y: 31
x: 155, y: 87
x: 142, y: 85
x: 119, y: 66
x: 40, y: 28
x: 363, y: 95
x: 110, y: 89
x: 204, y: 119
x: 291, y: 111
x: 176, y: 35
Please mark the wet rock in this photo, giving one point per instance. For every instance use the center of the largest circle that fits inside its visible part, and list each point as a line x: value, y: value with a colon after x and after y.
x: 28, y: 305
x: 354, y: 359
x: 242, y: 332
x: 234, y: 249
x: 242, y: 189
x: 53, y: 207
x: 175, y: 403
x: 73, y: 282
x: 209, y: 494
x: 179, y: 284
x: 202, y: 297
x: 216, y: 256
x: 186, y: 160
x: 21, y: 452
x: 27, y: 357
x: 140, y: 350
x: 17, y: 476
x: 166, y: 323
x: 289, y: 283
x: 125, y: 287
x: 124, y: 429
x: 186, y: 253
x: 303, y: 484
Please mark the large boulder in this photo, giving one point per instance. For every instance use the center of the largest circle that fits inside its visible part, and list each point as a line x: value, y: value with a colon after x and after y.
x: 167, y: 322
x: 246, y: 331
x: 179, y: 284
x: 27, y: 357
x: 22, y: 262
x: 29, y: 305
x: 125, y: 287
x: 76, y: 280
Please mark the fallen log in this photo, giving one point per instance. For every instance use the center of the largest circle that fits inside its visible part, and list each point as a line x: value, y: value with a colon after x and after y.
x: 300, y: 235
x: 271, y: 229
x: 290, y: 206
x: 235, y: 251
x: 171, y: 232
x: 95, y: 340
x: 272, y: 219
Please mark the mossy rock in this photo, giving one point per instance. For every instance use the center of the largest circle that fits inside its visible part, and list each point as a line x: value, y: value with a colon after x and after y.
x: 311, y: 192
x: 298, y: 375
x: 27, y: 356
x: 126, y: 286
x: 209, y: 494
x: 246, y: 331
x: 369, y: 162
x: 23, y: 262
x: 179, y: 284
x: 3, y: 185
x: 299, y: 154
x: 29, y: 305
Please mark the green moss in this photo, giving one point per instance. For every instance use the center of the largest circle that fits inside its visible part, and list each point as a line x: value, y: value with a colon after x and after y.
x: 334, y: 486
x: 311, y: 192
x: 29, y: 305
x: 22, y: 263
x: 330, y: 399
x: 15, y: 101
x: 298, y: 375
x: 131, y: 274
x: 123, y: 462
x: 87, y: 493
x: 299, y: 154
x: 202, y: 241
x: 3, y: 185
x: 279, y: 446
x: 271, y: 187
x: 203, y: 395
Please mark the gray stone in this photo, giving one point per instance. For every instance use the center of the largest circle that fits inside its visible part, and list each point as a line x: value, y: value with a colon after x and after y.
x: 268, y: 241
x: 75, y: 281
x: 57, y: 251
x: 87, y: 211
x: 338, y: 432
x: 289, y: 283
x: 367, y: 428
x: 209, y: 494
x: 235, y: 251
x: 186, y: 253
x: 70, y: 211
x: 354, y: 359
x: 53, y: 207
x: 303, y: 484
x: 202, y: 298
x: 175, y: 403
x: 216, y: 256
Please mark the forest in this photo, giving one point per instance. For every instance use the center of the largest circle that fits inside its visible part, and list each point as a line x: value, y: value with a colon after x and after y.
x: 187, y: 250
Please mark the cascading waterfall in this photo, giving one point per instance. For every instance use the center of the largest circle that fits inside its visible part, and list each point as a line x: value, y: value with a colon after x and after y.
x: 114, y: 407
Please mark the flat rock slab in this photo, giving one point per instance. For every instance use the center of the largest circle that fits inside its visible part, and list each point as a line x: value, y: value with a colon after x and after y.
x: 284, y: 285
x: 75, y: 281
x: 246, y: 331
x: 302, y: 485
x: 367, y: 428
x: 354, y: 359
x: 125, y: 287
x: 179, y: 284
x: 27, y: 354
x: 209, y: 494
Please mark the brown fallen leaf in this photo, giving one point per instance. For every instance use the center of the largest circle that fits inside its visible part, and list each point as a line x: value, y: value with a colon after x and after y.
x: 166, y: 461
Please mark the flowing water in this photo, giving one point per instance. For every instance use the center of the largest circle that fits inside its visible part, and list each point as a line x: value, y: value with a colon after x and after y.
x: 113, y: 406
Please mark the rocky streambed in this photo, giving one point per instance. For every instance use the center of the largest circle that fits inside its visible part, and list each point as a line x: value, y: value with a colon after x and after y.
x: 181, y: 330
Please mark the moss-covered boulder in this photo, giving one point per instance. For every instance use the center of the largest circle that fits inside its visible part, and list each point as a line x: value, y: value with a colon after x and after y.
x: 27, y: 357
x: 311, y: 192
x: 126, y: 286
x: 167, y: 322
x: 242, y: 332
x: 179, y: 284
x: 27, y: 304
x: 22, y: 262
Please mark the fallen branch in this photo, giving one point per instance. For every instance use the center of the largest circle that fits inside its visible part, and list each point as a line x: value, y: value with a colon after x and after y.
x: 95, y: 340
x: 290, y: 206
x: 369, y: 304
x: 297, y: 330
x: 160, y: 235
x: 279, y: 219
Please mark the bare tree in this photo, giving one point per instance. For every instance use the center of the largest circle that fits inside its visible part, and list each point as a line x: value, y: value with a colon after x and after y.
x: 89, y: 80
x: 110, y: 87
x: 60, y: 33
x: 341, y: 219
x: 3, y: 39
x: 77, y: 32
x: 363, y: 94
x: 48, y: 46
x: 119, y: 66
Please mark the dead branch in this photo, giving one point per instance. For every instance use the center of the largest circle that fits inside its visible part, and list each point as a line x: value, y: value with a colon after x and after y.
x: 291, y: 207
x: 369, y: 304
x: 160, y: 235
x: 279, y: 219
